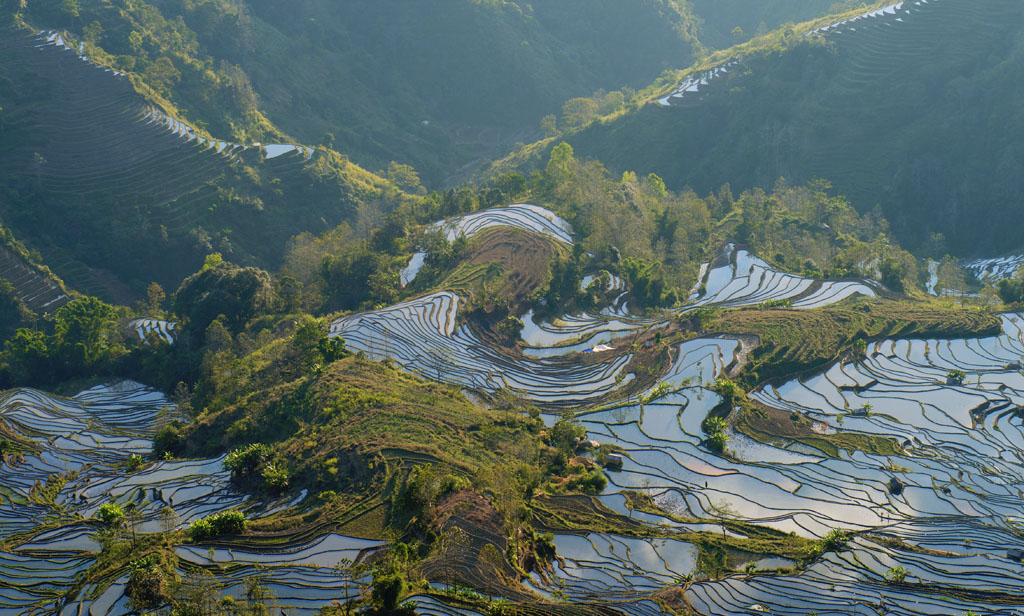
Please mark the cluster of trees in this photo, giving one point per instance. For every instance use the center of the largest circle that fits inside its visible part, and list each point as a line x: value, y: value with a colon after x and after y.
x: 81, y: 339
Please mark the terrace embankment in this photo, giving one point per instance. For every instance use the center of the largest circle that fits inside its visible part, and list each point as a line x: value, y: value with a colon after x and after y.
x: 351, y: 427
x: 503, y: 262
x: 795, y: 342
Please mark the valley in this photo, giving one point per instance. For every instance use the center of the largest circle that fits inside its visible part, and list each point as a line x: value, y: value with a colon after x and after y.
x: 739, y: 338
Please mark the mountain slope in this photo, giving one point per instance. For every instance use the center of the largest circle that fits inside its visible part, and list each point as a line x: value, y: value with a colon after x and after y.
x: 115, y: 194
x: 913, y: 112
x: 720, y: 17
x: 433, y: 84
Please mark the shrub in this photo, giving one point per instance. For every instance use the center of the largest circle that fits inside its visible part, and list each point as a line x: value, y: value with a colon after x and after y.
x: 200, y: 529
x: 544, y: 546
x: 715, y: 427
x: 168, y: 440
x: 833, y: 540
x: 590, y: 482
x: 245, y: 459
x: 231, y: 522
x: 897, y: 575
x: 387, y: 588
x: 275, y: 476
x: 146, y: 583
x: 110, y: 514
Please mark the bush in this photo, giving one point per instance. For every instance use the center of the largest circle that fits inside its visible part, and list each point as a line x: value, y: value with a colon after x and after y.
x: 833, y: 540
x: 275, y: 476
x: 246, y: 459
x: 168, y: 440
x: 110, y: 514
x: 897, y: 575
x: 146, y: 583
x: 231, y: 522
x: 387, y: 588
x: 590, y: 482
x: 715, y: 427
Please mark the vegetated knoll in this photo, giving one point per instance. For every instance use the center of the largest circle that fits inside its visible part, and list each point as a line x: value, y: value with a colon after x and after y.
x: 113, y: 199
x: 916, y: 115
x: 345, y: 428
x: 433, y: 85
x: 799, y: 341
x: 503, y: 263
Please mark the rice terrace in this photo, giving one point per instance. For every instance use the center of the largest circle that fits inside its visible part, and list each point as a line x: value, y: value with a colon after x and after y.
x: 494, y: 308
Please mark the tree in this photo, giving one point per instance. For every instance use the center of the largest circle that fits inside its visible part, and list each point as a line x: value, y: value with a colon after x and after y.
x: 405, y: 177
x: 450, y: 544
x: 71, y: 8
x: 612, y: 102
x: 162, y: 74
x: 549, y: 124
x: 237, y: 293
x: 353, y: 575
x: 196, y: 594
x: 492, y: 558
x: 155, y: 297
x: 169, y: 520
x: 723, y: 512
x: 84, y: 335
x: 579, y: 111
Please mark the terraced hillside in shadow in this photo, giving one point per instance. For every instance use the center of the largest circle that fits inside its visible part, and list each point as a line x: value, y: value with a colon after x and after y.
x: 913, y: 111
x: 40, y: 291
x: 114, y: 195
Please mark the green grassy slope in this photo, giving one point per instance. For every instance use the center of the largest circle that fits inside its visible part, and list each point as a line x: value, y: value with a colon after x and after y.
x: 917, y: 116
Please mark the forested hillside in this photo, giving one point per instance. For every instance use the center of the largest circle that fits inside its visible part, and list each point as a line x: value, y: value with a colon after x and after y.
x: 914, y: 112
x: 720, y: 18
x: 113, y: 194
x: 435, y: 85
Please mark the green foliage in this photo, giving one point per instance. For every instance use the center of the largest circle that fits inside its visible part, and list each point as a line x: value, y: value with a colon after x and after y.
x: 147, y: 583
x: 834, y: 539
x: 715, y: 428
x: 275, y: 476
x: 589, y: 482
x: 729, y: 389
x: 565, y: 433
x: 84, y: 342
x: 230, y: 522
x: 313, y: 348
x: 247, y: 459
x: 110, y: 514
x: 425, y: 485
x: 823, y: 117
x: 237, y: 293
x: 956, y: 376
x: 1011, y: 291
x: 168, y: 440
x: 897, y: 575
